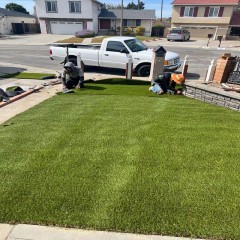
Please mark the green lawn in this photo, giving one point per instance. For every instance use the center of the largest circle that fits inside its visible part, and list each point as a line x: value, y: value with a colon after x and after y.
x: 116, y: 157
x: 100, y: 39
x: 27, y: 75
x: 71, y: 40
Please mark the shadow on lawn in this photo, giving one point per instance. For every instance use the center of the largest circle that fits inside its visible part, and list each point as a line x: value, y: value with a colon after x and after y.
x: 87, y: 87
x: 119, y: 81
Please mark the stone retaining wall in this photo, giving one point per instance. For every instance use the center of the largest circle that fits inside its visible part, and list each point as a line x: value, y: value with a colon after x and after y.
x: 213, y: 98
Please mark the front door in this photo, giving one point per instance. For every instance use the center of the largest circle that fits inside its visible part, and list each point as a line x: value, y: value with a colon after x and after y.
x: 112, y: 56
x: 105, y: 24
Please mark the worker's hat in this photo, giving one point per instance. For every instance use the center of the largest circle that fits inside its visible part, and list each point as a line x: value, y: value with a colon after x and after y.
x: 178, y: 78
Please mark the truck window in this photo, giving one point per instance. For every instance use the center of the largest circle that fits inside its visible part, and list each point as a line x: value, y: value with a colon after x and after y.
x: 115, y: 46
x: 135, y: 45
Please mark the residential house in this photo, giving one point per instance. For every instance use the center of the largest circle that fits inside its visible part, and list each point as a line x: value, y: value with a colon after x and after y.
x: 12, y: 22
x: 234, y: 26
x: 205, y: 17
x: 110, y: 19
x: 67, y: 17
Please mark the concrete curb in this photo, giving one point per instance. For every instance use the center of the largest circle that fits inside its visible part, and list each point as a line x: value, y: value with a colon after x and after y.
x: 30, y: 91
x: 13, y: 99
x: 5, y: 231
x: 23, y: 104
x: 35, y: 232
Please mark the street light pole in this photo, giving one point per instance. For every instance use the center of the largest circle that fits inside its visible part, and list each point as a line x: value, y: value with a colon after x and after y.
x: 121, y: 21
x: 161, y: 9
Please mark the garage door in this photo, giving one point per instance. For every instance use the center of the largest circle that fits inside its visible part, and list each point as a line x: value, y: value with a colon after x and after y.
x: 66, y: 27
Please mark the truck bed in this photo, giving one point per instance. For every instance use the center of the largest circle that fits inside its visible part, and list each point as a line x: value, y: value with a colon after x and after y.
x: 82, y: 46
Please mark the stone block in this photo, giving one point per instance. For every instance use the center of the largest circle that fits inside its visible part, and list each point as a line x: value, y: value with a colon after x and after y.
x: 235, y: 101
x: 208, y: 101
x: 220, y: 103
x: 235, y: 109
x: 198, y: 91
x: 220, y: 97
x: 198, y: 96
x: 208, y: 97
x: 233, y: 105
x: 190, y: 95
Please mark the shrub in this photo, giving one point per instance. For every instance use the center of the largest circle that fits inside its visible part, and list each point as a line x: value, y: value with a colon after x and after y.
x: 139, y: 31
x: 127, y: 32
x: 85, y: 34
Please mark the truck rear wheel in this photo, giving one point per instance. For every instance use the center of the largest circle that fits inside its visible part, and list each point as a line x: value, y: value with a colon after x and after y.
x: 144, y: 70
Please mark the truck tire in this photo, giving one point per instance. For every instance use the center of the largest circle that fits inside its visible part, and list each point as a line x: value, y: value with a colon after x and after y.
x: 144, y: 70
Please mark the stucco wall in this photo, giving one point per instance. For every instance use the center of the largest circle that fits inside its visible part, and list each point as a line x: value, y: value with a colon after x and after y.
x: 144, y: 23
x: 202, y: 31
x: 43, y: 26
x: 63, y: 10
x: 6, y: 23
x: 200, y: 19
x: 95, y: 11
x: 201, y: 26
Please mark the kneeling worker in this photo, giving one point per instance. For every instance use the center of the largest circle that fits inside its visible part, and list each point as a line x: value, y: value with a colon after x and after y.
x: 170, y: 83
x: 72, y: 76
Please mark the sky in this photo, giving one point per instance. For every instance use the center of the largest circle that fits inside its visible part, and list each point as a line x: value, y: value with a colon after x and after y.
x: 149, y: 4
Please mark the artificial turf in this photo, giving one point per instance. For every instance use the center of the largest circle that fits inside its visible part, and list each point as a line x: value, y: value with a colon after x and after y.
x: 116, y: 157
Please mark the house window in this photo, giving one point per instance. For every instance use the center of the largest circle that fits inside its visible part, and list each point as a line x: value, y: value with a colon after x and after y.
x: 75, y: 7
x: 131, y: 22
x: 213, y: 11
x: 188, y: 12
x: 51, y: 6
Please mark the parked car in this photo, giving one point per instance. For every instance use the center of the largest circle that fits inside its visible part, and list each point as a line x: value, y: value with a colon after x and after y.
x: 113, y: 53
x: 178, y: 34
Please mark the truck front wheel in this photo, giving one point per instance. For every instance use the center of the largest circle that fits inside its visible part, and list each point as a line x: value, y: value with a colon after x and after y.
x: 144, y: 70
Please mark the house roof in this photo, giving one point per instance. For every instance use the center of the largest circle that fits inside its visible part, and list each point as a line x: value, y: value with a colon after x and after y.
x: 98, y: 2
x: 205, y: 2
x: 8, y: 13
x: 127, y: 14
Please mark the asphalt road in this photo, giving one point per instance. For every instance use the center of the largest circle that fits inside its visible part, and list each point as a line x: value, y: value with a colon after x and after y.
x: 38, y: 56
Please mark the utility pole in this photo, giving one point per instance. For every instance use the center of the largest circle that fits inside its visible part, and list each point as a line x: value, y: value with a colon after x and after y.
x: 121, y: 21
x: 161, y: 9
x: 138, y: 4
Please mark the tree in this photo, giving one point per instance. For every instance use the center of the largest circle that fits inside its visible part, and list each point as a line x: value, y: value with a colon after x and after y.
x: 16, y: 7
x: 112, y: 6
x: 139, y: 6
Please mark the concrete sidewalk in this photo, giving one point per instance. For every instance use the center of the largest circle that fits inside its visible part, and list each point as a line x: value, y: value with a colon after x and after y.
x: 34, y: 232
x: 47, y: 39
x: 32, y: 39
x: 197, y: 43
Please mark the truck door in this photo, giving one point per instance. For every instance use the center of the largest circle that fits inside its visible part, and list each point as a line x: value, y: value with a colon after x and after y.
x: 113, y: 56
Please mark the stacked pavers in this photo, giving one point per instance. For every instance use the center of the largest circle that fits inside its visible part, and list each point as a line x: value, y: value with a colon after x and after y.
x: 213, y: 97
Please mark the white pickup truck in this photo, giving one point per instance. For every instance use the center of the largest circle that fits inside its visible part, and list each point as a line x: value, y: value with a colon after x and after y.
x: 114, y: 53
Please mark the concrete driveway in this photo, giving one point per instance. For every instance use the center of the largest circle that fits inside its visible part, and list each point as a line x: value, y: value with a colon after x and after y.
x: 32, y: 39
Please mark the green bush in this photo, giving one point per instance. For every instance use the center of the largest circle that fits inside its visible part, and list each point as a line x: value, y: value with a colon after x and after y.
x: 127, y: 32
x: 85, y: 34
x: 139, y: 31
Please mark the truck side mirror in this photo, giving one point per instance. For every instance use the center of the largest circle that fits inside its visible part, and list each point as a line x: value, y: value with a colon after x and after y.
x: 124, y: 50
